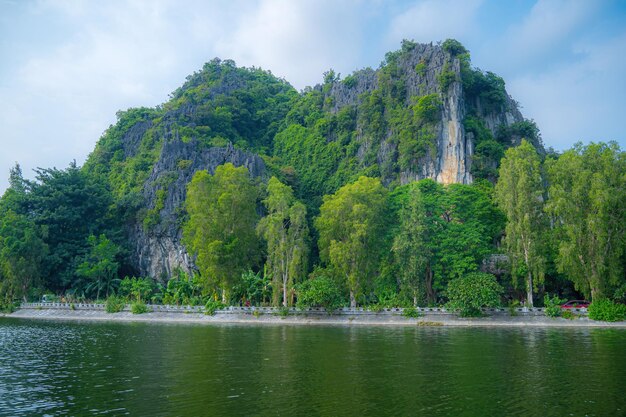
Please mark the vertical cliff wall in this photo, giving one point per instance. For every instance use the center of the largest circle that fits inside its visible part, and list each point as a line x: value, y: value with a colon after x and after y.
x: 157, y: 247
x: 454, y: 147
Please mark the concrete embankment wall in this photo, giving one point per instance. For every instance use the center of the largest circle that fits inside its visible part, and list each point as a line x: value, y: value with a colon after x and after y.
x: 271, y: 315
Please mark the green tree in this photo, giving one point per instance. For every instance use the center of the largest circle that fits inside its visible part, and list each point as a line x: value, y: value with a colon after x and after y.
x: 411, y: 246
x: 351, y: 228
x: 100, y: 267
x: 472, y: 292
x: 255, y: 287
x: 460, y: 225
x: 519, y: 193
x: 587, y: 194
x: 286, y: 232
x: 22, y: 252
x: 469, y: 225
x: 320, y: 292
x: 220, y: 231
x: 71, y: 205
x: 139, y: 288
x: 16, y: 197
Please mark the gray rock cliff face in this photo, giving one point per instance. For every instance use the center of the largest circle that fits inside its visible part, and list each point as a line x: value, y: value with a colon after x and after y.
x: 454, y: 147
x: 158, y: 250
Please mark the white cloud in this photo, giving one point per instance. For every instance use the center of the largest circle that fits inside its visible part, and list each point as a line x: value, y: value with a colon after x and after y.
x: 434, y: 20
x: 297, y: 40
x: 115, y: 55
x: 544, y: 33
x: 577, y: 102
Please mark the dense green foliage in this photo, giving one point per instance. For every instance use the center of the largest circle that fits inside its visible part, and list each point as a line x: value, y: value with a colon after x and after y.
x: 72, y: 206
x: 220, y: 231
x: 181, y: 290
x: 286, y: 232
x: 410, y: 312
x: 212, y: 306
x: 351, y: 233
x: 587, y: 194
x: 460, y: 224
x: 115, y: 304
x: 255, y: 288
x: 320, y: 292
x: 137, y: 289
x: 139, y: 307
x: 100, y: 266
x: 472, y: 292
x: 410, y: 246
x: 22, y: 252
x: 607, y: 310
x: 487, y: 151
x: 47, y: 229
x: 519, y: 193
x: 552, y: 306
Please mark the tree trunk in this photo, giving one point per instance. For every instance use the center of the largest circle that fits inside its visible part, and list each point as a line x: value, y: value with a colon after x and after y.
x: 596, y: 293
x: 284, y: 292
x: 352, y: 300
x: 430, y: 294
x: 415, y: 301
x: 529, y: 291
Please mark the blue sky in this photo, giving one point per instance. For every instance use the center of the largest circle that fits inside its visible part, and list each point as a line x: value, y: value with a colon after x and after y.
x: 66, y: 66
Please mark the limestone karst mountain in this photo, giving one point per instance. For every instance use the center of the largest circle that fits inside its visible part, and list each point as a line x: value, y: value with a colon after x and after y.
x: 424, y: 113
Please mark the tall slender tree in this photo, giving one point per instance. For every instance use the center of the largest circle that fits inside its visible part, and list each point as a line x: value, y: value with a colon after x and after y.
x: 587, y: 194
x: 519, y: 193
x: 286, y: 232
x: 220, y: 231
x: 410, y: 246
x: 351, y: 227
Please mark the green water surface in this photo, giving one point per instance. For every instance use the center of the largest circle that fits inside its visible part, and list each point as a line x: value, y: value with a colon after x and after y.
x: 139, y: 369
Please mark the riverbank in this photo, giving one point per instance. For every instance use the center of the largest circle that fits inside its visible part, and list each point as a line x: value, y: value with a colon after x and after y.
x: 353, y: 318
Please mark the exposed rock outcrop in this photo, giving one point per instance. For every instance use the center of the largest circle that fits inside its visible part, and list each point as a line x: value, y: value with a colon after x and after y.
x: 158, y: 248
x: 454, y: 147
x: 420, y: 69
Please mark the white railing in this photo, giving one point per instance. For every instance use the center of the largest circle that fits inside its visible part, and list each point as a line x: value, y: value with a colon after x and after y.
x: 359, y: 311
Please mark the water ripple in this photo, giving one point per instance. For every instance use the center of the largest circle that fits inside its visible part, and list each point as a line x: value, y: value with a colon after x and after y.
x: 56, y: 368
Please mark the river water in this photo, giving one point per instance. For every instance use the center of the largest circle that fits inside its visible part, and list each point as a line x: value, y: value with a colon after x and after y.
x: 144, y: 369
